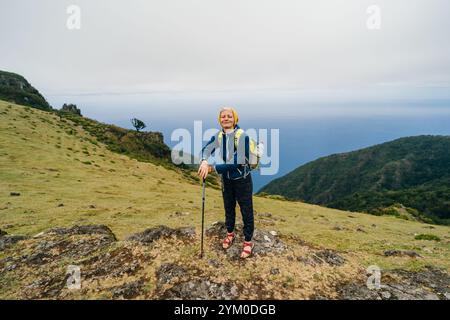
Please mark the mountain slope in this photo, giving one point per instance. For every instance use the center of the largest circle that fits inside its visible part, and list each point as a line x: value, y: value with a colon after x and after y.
x: 52, y: 178
x: 17, y: 89
x: 412, y: 171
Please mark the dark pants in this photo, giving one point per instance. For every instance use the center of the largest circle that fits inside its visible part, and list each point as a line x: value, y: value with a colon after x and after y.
x: 241, y: 191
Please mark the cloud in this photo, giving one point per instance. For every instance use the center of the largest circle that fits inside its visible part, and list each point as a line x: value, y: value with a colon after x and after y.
x: 203, y: 46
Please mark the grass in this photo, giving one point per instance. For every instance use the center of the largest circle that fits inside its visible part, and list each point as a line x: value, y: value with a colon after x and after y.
x: 130, y: 196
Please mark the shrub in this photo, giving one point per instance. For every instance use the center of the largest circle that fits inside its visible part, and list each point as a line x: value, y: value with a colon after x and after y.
x: 427, y: 237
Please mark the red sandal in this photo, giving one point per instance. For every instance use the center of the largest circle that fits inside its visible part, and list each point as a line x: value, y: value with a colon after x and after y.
x: 248, y: 248
x: 228, y: 241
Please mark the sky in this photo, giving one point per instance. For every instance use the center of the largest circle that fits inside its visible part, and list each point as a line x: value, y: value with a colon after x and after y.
x: 301, y: 52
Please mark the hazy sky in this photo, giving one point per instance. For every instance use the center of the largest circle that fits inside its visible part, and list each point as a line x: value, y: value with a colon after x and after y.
x: 263, y: 50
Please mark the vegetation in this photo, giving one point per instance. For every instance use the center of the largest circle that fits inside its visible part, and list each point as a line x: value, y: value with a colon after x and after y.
x: 138, y: 124
x: 16, y: 89
x: 412, y: 171
x: 431, y: 237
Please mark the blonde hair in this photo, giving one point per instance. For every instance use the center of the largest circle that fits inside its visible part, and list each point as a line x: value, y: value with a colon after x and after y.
x: 235, y: 115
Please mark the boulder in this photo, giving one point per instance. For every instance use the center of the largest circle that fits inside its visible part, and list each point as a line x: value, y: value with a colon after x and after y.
x: 402, y: 253
x: 85, y: 229
x: 128, y: 290
x: 202, y: 289
x: 428, y: 284
x: 150, y: 235
x: 7, y: 241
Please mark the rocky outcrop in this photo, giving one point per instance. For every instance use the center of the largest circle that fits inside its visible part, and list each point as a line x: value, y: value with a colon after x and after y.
x: 86, y: 229
x: 9, y: 240
x: 429, y: 284
x: 162, y: 263
x: 17, y: 89
x: 265, y: 241
x: 184, y: 285
x: 327, y: 256
x: 151, y: 235
x: 402, y: 253
x: 72, y: 108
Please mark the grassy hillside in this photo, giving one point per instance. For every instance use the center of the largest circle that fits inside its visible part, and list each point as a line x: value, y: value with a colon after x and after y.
x: 412, y: 172
x: 65, y: 179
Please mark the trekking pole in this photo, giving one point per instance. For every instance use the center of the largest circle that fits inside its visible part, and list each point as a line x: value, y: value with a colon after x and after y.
x: 203, y: 216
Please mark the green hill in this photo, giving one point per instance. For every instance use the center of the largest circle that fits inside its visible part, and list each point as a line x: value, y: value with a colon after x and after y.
x: 411, y: 174
x: 17, y: 89
x: 67, y: 199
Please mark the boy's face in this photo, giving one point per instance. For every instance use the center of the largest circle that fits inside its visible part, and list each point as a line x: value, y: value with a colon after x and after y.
x: 227, y: 119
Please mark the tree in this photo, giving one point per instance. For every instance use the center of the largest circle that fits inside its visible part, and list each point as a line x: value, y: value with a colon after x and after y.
x: 138, y: 124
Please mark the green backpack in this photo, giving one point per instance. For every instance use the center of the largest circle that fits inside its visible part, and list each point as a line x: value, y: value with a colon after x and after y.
x: 253, y: 152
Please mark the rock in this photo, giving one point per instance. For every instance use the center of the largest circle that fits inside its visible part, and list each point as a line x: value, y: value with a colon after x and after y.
x: 14, y: 194
x: 385, y: 295
x: 356, y: 291
x: 274, y: 271
x: 214, y: 263
x: 361, y: 230
x: 37, y: 258
x: 11, y: 267
x: 428, y: 284
x: 337, y: 228
x: 7, y: 241
x: 400, y: 253
x: 116, y: 263
x: 186, y: 232
x: 329, y: 256
x: 2, y: 233
x: 274, y: 233
x: 309, y: 261
x: 203, y: 289
x: 38, y: 235
x: 167, y: 272
x: 60, y: 205
x: 264, y: 241
x: 265, y: 214
x: 91, y: 206
x: 150, y: 235
x: 87, y: 230
x: 48, y: 286
x: 129, y: 290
